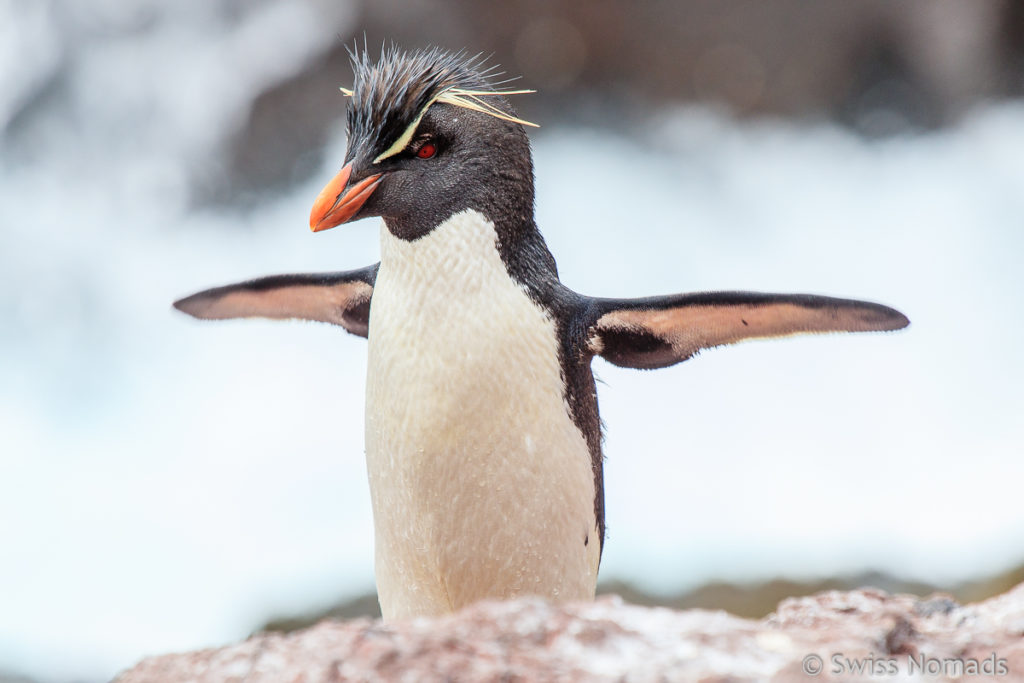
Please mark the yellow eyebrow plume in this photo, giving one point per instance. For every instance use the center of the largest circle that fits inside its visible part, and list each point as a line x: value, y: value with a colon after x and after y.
x: 470, y: 99
x: 458, y: 97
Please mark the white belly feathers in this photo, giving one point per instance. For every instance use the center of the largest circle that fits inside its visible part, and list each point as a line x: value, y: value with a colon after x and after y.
x: 481, y: 484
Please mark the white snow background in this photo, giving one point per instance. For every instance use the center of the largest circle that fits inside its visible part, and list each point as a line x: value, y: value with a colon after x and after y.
x: 167, y: 484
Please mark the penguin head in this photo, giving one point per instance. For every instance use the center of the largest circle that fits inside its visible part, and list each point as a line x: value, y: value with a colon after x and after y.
x: 428, y: 136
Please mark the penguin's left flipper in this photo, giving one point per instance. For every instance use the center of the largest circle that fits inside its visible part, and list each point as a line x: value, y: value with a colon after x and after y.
x: 338, y: 298
x: 657, y: 332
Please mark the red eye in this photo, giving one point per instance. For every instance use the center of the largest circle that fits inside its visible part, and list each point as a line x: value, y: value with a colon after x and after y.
x: 428, y: 150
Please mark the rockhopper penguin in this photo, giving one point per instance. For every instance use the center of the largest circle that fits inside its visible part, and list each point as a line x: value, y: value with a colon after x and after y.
x: 483, y: 442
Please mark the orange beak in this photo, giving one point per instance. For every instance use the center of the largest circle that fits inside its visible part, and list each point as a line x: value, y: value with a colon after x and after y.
x: 337, y: 203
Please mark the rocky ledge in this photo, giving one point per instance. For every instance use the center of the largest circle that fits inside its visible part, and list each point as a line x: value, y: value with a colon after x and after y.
x: 836, y: 636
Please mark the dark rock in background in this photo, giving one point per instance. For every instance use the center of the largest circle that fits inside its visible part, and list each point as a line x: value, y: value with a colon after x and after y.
x: 89, y: 86
x: 14, y: 678
x: 753, y: 600
x: 877, y: 66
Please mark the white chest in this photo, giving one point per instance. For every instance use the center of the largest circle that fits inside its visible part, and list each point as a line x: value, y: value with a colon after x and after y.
x: 481, y: 484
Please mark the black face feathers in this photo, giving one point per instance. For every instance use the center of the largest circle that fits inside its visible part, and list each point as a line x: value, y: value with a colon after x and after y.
x: 391, y: 94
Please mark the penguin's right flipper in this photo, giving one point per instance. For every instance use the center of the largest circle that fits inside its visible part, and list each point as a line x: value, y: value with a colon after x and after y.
x: 339, y: 298
x: 660, y: 331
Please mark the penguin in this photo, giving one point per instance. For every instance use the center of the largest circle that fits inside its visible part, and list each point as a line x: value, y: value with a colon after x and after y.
x: 483, y: 438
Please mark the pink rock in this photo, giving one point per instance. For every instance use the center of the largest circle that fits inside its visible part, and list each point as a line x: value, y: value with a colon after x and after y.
x: 859, y: 635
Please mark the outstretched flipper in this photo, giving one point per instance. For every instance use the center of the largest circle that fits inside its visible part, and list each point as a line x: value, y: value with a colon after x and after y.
x: 338, y: 298
x: 657, y: 332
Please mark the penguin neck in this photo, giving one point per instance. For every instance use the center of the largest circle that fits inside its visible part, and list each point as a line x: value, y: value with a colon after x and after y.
x: 518, y: 241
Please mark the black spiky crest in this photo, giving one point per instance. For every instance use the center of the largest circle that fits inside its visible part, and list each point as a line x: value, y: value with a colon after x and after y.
x: 391, y: 94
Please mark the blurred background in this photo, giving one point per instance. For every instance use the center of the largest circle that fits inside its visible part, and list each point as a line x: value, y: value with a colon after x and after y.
x: 167, y: 484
